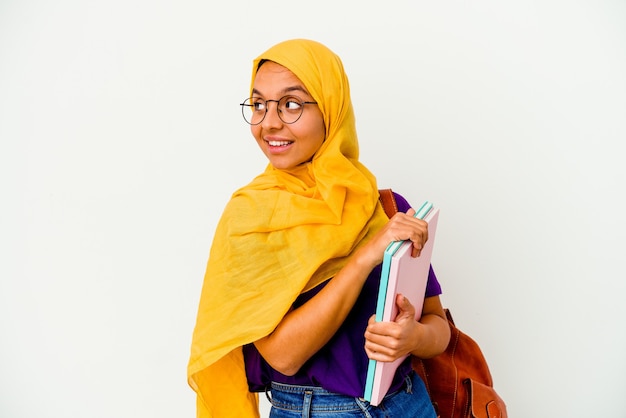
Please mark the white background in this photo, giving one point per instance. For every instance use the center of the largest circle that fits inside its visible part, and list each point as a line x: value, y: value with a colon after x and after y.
x: 121, y: 141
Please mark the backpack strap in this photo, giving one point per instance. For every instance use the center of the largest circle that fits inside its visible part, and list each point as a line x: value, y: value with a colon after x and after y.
x: 388, y: 200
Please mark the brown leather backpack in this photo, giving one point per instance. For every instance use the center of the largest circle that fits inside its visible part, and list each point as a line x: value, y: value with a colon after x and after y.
x: 458, y: 380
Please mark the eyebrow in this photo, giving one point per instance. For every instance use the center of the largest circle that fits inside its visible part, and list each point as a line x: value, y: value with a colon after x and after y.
x: 286, y: 90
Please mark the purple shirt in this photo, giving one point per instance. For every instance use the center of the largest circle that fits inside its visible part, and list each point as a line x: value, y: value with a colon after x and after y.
x: 341, y: 365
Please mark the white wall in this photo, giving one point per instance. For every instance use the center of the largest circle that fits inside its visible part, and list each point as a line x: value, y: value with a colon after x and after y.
x: 121, y: 140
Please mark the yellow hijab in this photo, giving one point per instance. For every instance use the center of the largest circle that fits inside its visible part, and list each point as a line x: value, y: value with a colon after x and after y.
x: 282, y: 234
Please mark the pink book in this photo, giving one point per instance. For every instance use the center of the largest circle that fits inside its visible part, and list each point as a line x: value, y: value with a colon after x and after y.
x: 406, y: 275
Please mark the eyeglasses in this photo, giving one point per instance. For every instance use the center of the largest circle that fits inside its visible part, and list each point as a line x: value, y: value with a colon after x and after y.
x: 289, y: 109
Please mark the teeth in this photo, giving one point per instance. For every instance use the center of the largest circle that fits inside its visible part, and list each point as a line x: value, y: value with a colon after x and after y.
x: 278, y: 143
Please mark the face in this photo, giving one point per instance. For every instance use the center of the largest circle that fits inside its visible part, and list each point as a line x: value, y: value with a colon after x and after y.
x: 286, y: 145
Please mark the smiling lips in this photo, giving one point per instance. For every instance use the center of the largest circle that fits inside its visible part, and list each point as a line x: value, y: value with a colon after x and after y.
x: 275, y: 145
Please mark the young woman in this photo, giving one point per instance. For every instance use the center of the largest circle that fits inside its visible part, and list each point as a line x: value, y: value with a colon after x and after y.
x: 292, y: 278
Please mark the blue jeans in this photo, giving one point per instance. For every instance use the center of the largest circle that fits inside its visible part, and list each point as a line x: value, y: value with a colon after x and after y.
x: 290, y: 401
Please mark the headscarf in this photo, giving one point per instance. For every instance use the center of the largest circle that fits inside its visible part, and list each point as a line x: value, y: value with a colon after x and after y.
x: 282, y: 234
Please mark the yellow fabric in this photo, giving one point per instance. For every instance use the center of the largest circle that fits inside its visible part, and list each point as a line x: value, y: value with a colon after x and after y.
x: 280, y: 235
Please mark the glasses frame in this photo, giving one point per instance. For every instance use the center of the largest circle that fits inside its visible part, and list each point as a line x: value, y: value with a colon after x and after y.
x: 244, y: 105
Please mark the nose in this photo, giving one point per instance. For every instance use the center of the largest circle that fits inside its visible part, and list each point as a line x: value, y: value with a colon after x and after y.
x: 271, y: 120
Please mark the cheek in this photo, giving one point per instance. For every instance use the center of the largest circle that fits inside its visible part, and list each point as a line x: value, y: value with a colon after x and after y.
x: 255, y: 130
x: 313, y: 136
x: 323, y: 131
x: 320, y: 133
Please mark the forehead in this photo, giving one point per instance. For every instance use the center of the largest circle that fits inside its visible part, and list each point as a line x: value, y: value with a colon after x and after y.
x: 274, y: 79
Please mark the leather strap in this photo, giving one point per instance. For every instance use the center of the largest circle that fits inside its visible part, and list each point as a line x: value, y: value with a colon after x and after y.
x: 388, y: 200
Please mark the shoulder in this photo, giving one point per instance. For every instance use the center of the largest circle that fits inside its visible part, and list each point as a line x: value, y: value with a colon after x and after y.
x: 403, y: 204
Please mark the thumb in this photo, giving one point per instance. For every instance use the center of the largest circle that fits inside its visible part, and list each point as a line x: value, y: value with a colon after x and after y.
x: 405, y: 308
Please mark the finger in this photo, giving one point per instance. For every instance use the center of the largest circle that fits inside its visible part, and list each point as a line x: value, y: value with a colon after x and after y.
x: 382, y: 348
x: 383, y: 332
x: 378, y: 355
x: 405, y: 307
x: 419, y: 238
x: 377, y: 331
x: 381, y: 352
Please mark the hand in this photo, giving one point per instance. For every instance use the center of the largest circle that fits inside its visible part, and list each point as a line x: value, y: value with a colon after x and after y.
x: 402, y: 226
x: 388, y: 341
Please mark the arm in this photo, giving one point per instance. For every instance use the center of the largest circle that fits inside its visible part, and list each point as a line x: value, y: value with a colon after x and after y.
x: 308, y: 328
x: 387, y: 341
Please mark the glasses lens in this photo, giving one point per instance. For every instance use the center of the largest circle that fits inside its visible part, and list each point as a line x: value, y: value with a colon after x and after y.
x: 253, y: 110
x: 290, y: 109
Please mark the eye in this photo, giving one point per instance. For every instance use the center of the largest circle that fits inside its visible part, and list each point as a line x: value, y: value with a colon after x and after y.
x: 257, y: 104
x: 291, y: 103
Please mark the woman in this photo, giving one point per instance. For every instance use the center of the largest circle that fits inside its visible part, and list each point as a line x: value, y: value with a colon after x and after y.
x: 292, y: 277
